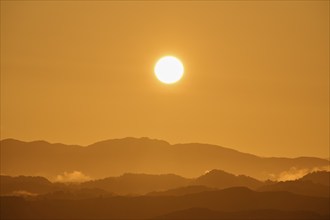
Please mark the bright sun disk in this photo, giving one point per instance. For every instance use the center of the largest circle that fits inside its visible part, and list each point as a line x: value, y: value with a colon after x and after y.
x: 169, y: 69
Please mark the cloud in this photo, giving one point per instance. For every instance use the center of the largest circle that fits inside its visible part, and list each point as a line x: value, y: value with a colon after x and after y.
x: 75, y: 176
x: 294, y: 173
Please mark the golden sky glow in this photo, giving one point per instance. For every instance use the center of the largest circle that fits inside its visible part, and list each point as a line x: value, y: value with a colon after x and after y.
x: 79, y: 72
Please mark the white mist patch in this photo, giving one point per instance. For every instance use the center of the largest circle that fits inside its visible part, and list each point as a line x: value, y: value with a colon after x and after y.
x: 23, y: 193
x: 294, y: 173
x: 75, y: 176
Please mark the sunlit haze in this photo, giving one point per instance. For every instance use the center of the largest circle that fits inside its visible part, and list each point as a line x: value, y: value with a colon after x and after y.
x: 164, y: 110
x: 256, y: 74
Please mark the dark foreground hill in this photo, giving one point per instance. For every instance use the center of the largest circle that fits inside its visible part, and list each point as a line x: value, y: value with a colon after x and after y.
x: 234, y: 200
x: 140, y: 155
x: 202, y: 213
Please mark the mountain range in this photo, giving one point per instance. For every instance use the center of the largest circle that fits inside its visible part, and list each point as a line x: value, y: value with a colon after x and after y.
x: 141, y: 155
x: 141, y: 178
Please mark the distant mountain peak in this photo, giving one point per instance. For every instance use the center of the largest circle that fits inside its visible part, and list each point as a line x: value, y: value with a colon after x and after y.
x: 217, y: 172
x: 131, y: 140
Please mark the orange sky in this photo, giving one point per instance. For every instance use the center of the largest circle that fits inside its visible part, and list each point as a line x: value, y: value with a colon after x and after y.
x: 256, y: 73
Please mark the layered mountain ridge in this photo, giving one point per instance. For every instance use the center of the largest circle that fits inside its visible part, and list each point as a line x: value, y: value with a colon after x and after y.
x: 141, y: 155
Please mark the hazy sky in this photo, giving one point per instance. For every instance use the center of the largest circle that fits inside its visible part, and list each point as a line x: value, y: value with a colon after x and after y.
x: 256, y: 73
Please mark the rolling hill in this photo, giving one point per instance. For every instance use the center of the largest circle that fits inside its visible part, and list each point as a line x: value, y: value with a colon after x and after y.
x: 182, y: 191
x: 137, y: 184
x: 132, y: 184
x: 312, y: 184
x: 28, y: 184
x: 145, y: 207
x: 320, y: 177
x: 221, y: 179
x: 202, y: 213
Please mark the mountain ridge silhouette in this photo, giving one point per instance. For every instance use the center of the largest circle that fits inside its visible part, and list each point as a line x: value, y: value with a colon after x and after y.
x: 140, y: 155
x: 162, y: 185
x: 237, y: 199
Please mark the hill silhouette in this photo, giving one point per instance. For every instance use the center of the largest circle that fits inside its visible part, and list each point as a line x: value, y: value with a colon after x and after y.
x: 221, y: 179
x: 28, y: 184
x: 312, y: 184
x: 42, y: 199
x: 321, y: 177
x: 166, y: 184
x: 202, y: 213
x: 140, y: 155
x: 145, y: 207
x: 182, y: 191
x: 138, y: 183
x: 132, y: 184
x: 76, y: 194
x: 299, y: 187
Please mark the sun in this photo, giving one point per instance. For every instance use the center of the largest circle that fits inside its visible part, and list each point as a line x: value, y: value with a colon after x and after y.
x: 169, y: 69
